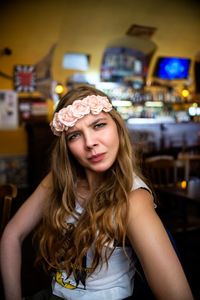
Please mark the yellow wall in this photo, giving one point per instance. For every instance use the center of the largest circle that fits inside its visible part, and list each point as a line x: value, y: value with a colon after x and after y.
x: 30, y: 28
x: 13, y: 142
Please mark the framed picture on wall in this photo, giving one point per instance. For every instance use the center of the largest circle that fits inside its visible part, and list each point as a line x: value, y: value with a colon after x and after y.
x: 24, y: 78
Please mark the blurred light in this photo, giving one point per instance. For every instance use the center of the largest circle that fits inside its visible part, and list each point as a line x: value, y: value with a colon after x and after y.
x: 194, y: 111
x: 59, y: 89
x: 184, y: 184
x: 122, y: 103
x: 194, y: 104
x: 106, y: 85
x: 92, y: 77
x: 157, y: 120
x: 185, y: 93
x: 153, y: 104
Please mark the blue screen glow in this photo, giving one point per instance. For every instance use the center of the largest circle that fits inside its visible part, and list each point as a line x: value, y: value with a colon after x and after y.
x: 172, y: 68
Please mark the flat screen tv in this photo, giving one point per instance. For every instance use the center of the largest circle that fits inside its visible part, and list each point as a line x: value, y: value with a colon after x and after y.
x: 172, y: 68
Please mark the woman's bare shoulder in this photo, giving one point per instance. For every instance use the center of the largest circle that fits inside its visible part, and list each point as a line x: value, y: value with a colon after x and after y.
x: 140, y: 200
x: 47, y: 181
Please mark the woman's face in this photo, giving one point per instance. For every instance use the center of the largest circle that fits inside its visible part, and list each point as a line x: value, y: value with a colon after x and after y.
x: 94, y: 142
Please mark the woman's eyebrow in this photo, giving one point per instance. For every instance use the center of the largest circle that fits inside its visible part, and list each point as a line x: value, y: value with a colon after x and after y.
x: 75, y: 129
x: 97, y: 120
x: 72, y: 130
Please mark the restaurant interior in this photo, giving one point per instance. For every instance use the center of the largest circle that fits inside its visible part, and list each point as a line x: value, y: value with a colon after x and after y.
x: 146, y: 56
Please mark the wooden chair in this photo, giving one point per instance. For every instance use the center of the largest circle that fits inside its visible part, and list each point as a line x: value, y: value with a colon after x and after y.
x: 161, y: 170
x: 192, y: 163
x: 165, y: 171
x: 7, y: 193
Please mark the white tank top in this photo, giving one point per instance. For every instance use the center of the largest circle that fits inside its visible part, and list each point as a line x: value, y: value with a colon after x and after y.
x: 114, y: 282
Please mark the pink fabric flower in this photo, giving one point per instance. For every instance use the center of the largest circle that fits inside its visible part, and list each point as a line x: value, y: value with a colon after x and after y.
x: 80, y: 108
x: 56, y: 125
x: 95, y: 104
x: 68, y: 116
x: 107, y: 106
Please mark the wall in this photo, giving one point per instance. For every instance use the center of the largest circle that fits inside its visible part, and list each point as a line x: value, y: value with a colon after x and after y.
x: 13, y: 157
x: 30, y: 28
x: 13, y: 142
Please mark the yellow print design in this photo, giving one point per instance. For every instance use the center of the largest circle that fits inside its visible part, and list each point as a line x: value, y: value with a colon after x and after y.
x: 61, y: 278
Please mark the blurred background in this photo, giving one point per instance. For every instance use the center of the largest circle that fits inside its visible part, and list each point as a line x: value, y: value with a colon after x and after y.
x: 144, y: 54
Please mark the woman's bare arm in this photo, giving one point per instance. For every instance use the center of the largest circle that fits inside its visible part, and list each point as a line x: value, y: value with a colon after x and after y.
x: 151, y: 243
x: 24, y: 221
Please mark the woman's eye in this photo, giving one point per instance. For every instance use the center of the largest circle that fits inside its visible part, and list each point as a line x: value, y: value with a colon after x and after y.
x: 99, y: 125
x: 72, y: 136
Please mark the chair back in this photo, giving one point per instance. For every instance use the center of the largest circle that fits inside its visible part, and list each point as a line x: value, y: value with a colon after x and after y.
x: 7, y: 193
x: 161, y: 170
x: 192, y: 163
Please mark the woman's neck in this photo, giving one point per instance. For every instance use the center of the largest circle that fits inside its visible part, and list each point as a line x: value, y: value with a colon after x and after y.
x: 86, y: 186
x: 93, y: 179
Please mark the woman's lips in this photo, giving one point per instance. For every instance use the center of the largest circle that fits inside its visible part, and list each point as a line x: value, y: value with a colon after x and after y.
x: 97, y: 158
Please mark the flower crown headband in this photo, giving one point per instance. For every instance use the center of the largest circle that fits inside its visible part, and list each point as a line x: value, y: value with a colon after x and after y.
x: 68, y: 116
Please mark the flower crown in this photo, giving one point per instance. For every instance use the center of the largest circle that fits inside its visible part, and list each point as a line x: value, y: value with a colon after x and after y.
x: 68, y: 116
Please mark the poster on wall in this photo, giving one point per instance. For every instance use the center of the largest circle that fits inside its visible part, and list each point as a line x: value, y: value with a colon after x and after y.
x: 24, y: 78
x: 8, y: 109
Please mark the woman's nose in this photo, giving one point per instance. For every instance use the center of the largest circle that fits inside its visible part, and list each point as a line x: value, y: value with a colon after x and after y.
x: 90, y: 140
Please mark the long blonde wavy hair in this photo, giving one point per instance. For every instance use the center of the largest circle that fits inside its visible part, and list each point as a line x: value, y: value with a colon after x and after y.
x: 62, y: 245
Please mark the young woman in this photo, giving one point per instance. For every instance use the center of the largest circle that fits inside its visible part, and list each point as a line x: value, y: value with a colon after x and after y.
x: 96, y: 214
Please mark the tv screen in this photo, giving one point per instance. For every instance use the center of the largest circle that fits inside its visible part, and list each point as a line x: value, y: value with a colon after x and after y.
x: 172, y: 68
